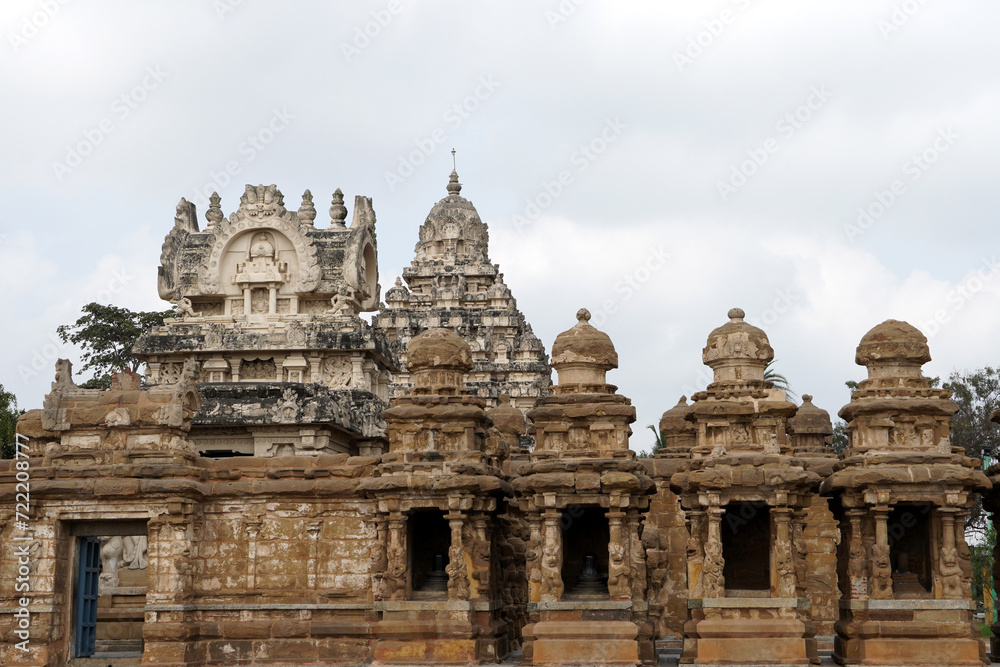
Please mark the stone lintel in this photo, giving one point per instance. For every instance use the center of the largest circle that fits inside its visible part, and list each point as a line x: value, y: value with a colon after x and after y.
x: 257, y: 606
x: 748, y: 603
x: 916, y: 605
x: 437, y: 605
x: 585, y: 605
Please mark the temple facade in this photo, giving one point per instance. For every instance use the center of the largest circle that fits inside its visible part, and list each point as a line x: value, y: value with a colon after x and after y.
x: 291, y: 485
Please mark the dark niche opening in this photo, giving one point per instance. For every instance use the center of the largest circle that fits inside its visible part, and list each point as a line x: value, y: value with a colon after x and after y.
x: 746, y: 547
x: 430, y: 538
x: 585, y: 552
x: 909, y: 529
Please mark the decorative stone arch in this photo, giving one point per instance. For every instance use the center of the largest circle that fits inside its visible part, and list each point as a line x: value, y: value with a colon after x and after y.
x: 261, y: 208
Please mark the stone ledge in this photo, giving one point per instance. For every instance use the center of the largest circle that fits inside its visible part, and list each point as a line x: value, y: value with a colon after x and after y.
x: 437, y: 605
x: 748, y: 603
x: 255, y: 607
x: 906, y: 604
x: 584, y: 605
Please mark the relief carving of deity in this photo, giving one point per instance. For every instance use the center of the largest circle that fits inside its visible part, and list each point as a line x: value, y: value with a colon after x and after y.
x: 338, y: 372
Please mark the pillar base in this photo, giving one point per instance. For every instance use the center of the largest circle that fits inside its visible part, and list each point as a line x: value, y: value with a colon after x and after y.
x: 452, y: 632
x: 587, y: 633
x: 907, y: 632
x: 742, y: 631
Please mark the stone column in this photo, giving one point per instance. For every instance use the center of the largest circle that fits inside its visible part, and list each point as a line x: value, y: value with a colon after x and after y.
x: 272, y: 300
x: 949, y: 569
x: 458, y: 573
x: 713, y: 581
x: 252, y: 528
x: 618, y: 575
x: 857, y: 565
x: 481, y: 555
x: 781, y: 549
x: 168, y: 583
x: 533, y: 558
x: 881, y: 565
x: 313, y: 528
x: 695, y: 553
x: 246, y: 301
x: 551, y: 587
x: 395, y: 576
x: 637, y: 556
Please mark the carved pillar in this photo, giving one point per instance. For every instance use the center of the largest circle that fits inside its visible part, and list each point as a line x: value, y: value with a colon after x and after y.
x: 168, y: 552
x: 395, y: 576
x: 782, y: 553
x: 881, y: 565
x: 378, y: 560
x: 313, y: 528
x: 458, y: 573
x: 252, y: 528
x: 533, y: 558
x: 235, y: 364
x: 637, y: 556
x: 551, y: 588
x: 857, y: 565
x: 481, y: 555
x: 695, y: 553
x: 272, y: 300
x: 964, y: 554
x: 618, y: 584
x: 800, y: 551
x: 246, y: 301
x: 949, y: 569
x: 713, y: 581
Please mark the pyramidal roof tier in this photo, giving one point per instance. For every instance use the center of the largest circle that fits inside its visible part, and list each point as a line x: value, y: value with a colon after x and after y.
x: 451, y: 283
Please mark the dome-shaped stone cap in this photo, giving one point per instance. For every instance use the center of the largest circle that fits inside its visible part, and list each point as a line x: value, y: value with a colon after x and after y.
x: 673, y: 421
x: 810, y: 419
x: 583, y: 344
x: 438, y: 348
x: 893, y: 340
x: 506, y: 418
x: 737, y: 339
x: 529, y: 341
x: 398, y: 292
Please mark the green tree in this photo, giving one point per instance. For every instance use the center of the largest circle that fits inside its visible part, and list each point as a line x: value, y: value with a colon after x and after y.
x: 658, y: 444
x: 977, y: 394
x: 840, y: 440
x: 106, y: 334
x: 777, y: 379
x: 8, y: 422
x: 982, y: 563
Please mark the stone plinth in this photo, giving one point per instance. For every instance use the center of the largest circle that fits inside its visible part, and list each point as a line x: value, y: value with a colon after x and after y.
x: 588, y: 633
x: 906, y: 632
x: 749, y: 630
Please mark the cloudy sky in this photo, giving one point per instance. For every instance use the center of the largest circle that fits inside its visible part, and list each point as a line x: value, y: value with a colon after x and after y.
x: 824, y: 166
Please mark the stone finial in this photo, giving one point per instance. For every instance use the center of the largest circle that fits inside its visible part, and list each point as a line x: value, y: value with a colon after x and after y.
x: 893, y: 349
x: 338, y: 212
x: 737, y: 351
x: 307, y: 211
x: 214, y: 213
x: 454, y: 187
x: 810, y: 419
x: 438, y: 360
x: 583, y: 355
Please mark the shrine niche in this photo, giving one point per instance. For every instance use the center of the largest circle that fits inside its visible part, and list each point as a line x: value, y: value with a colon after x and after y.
x: 905, y: 493
x: 256, y: 267
x: 582, y: 495
x: 745, y: 498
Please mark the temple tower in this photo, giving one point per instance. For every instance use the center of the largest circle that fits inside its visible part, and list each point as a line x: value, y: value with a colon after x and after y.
x: 436, y: 565
x: 268, y: 304
x: 583, y: 495
x: 452, y: 284
x: 745, y: 497
x: 905, y: 492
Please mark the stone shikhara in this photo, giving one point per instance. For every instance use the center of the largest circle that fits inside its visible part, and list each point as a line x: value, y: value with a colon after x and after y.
x: 293, y: 485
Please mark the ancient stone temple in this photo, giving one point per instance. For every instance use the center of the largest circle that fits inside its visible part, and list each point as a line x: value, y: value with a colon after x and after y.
x: 281, y: 490
x: 452, y: 283
x: 268, y: 304
x: 745, y: 497
x: 583, y: 496
x: 904, y: 492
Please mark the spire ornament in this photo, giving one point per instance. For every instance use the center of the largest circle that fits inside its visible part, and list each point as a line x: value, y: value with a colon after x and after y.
x: 338, y: 212
x: 307, y: 211
x: 214, y: 213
